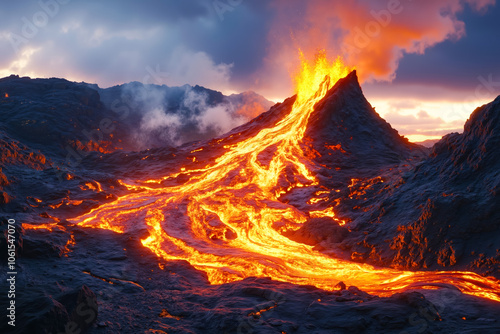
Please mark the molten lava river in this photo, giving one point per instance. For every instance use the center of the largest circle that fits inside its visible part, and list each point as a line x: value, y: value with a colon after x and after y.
x: 236, y: 198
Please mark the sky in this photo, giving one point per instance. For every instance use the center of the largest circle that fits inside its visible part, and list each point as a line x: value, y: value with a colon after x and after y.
x: 424, y: 65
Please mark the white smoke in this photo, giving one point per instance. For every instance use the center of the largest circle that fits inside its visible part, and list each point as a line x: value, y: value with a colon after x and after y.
x: 220, y: 118
x: 161, y: 121
x: 157, y: 121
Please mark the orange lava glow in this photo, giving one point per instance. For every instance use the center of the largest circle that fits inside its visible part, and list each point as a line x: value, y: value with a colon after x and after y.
x: 69, y: 245
x: 48, y: 227
x: 96, y: 186
x: 227, y: 220
x: 103, y: 146
x: 328, y: 212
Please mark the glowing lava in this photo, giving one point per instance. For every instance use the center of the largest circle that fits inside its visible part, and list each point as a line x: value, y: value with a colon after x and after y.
x: 48, y: 227
x: 227, y: 220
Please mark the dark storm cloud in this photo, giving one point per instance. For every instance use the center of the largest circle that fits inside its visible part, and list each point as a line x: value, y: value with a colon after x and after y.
x: 87, y: 17
x: 148, y: 12
x: 117, y: 41
x: 229, y: 42
x: 459, y: 64
x: 372, y: 35
x: 240, y: 38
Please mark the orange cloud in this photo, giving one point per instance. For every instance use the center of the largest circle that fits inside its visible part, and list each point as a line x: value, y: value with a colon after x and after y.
x: 371, y: 35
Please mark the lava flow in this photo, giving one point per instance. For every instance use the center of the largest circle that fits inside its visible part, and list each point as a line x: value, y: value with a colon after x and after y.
x: 227, y: 219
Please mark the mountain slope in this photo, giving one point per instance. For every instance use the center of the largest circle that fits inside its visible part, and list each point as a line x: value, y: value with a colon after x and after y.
x: 346, y: 123
x: 443, y: 212
x: 458, y: 210
x: 405, y: 208
x: 55, y: 115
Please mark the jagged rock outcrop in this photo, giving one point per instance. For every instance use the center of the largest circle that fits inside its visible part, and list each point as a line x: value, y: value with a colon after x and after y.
x: 444, y: 212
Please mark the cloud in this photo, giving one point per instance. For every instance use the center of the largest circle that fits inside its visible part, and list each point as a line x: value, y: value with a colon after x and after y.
x: 196, y: 68
x: 21, y: 64
x: 371, y: 35
x: 481, y: 5
x: 109, y: 44
x: 422, y: 123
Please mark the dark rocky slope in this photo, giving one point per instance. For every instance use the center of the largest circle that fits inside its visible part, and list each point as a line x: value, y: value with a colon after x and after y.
x: 406, y: 210
x: 446, y: 209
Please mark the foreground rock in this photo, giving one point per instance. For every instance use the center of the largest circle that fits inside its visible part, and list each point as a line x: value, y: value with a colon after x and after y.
x: 118, y: 287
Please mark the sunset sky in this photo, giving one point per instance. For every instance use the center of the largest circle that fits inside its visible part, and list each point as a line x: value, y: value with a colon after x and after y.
x: 425, y: 65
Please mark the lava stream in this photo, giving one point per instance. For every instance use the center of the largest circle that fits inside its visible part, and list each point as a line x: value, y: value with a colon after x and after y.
x: 227, y: 219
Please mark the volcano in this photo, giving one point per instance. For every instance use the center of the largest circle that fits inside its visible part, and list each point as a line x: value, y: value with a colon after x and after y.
x: 315, y: 216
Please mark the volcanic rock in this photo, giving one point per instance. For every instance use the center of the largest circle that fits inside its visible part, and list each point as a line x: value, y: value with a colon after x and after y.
x: 444, y: 212
x: 73, y: 312
x: 348, y: 133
